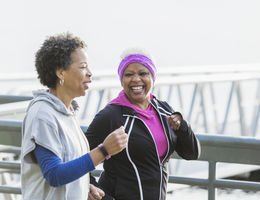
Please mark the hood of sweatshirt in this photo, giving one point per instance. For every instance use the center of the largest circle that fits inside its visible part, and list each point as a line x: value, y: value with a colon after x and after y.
x: 122, y: 100
x: 55, y: 102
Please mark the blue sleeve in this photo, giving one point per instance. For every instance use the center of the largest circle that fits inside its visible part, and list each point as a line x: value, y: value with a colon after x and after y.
x: 58, y: 173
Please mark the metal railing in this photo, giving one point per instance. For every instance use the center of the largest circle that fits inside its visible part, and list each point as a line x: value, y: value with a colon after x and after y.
x: 214, y: 149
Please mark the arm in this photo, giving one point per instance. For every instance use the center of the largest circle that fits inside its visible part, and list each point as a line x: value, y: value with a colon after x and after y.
x: 58, y: 173
x: 188, y: 146
x: 114, y: 143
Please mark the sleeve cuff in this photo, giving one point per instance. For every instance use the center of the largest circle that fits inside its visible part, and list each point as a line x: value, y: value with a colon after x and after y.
x: 174, y: 113
x: 91, y: 164
x: 184, y: 126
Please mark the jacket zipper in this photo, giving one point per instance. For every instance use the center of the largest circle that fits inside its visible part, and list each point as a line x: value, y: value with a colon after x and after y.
x: 160, y: 164
x: 127, y: 152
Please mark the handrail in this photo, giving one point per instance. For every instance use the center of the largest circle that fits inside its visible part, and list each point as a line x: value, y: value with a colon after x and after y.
x: 214, y: 148
x: 13, y: 98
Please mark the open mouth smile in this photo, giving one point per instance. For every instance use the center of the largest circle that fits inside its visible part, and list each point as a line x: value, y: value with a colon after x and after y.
x: 137, y: 89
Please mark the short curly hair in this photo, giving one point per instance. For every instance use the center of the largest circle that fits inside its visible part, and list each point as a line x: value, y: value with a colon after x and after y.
x: 55, y: 54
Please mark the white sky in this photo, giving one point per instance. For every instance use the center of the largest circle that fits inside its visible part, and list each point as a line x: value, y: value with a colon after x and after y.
x: 175, y: 32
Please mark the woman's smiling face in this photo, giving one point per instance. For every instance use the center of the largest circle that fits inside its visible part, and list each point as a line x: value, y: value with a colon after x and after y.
x: 137, y: 82
x: 78, y: 76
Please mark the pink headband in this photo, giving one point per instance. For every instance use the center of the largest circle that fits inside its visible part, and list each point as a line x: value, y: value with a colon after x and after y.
x: 136, y: 58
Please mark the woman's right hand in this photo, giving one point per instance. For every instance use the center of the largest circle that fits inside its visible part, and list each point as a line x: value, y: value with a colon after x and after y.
x: 116, y: 141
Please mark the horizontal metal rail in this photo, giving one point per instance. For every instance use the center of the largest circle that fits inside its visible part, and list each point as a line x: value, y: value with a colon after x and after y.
x: 214, y: 148
x: 13, y: 98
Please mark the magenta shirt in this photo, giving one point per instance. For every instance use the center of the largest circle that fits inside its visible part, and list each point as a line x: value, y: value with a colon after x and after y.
x: 151, y: 119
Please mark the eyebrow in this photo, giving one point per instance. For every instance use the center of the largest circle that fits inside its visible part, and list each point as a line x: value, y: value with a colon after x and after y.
x: 83, y: 63
x: 132, y: 71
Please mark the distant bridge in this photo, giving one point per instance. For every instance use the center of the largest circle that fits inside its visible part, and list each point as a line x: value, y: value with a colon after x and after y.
x: 221, y: 99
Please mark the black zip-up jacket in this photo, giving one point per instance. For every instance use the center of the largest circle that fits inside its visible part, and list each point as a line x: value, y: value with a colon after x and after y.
x: 136, y: 172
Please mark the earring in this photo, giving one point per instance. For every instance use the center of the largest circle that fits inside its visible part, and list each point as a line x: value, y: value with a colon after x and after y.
x: 61, y: 82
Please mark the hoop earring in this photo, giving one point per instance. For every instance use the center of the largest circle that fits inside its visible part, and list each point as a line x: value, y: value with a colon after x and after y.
x: 61, y: 82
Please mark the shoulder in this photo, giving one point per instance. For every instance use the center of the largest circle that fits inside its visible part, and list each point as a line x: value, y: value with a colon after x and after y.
x: 105, y: 121
x: 41, y: 107
x: 110, y: 110
x: 109, y: 117
x: 42, y: 112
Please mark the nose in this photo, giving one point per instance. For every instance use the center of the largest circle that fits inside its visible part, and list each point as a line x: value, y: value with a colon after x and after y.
x: 88, y: 73
x: 136, y: 77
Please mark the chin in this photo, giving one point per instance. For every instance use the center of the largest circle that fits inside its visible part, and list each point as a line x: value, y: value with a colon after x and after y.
x: 83, y: 93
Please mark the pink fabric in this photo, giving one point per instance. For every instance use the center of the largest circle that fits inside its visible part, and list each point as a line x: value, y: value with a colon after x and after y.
x: 151, y: 119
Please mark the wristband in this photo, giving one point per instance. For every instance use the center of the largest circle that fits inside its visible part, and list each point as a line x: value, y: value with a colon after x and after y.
x: 104, y: 151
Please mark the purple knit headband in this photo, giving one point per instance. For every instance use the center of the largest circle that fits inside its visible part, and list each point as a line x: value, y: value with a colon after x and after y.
x: 136, y: 58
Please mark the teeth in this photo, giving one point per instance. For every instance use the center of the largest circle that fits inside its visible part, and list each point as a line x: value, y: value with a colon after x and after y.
x: 137, y: 88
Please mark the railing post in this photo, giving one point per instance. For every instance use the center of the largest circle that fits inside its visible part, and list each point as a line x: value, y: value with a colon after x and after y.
x: 85, y: 109
x: 213, y: 99
x: 101, y: 95
x: 180, y: 97
x: 203, y: 108
x: 241, y: 110
x: 212, y: 178
x: 193, y: 101
x: 233, y: 85
x: 169, y: 93
x: 256, y: 115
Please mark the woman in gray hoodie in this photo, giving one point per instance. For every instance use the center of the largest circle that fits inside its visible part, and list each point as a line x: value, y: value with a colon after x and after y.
x: 55, y: 153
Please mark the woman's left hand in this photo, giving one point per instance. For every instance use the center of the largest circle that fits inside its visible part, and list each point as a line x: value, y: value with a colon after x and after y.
x: 95, y: 193
x: 175, y: 121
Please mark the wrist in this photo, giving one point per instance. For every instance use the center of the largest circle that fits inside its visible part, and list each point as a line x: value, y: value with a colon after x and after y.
x: 104, y: 151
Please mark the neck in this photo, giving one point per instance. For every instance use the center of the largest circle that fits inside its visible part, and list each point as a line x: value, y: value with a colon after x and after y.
x: 62, y: 95
x: 143, y: 105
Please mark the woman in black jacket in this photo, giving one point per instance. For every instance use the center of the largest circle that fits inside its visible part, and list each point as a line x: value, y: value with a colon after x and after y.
x: 154, y: 131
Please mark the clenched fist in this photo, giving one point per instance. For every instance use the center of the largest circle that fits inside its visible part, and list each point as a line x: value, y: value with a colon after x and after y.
x: 116, y: 141
x: 175, y: 121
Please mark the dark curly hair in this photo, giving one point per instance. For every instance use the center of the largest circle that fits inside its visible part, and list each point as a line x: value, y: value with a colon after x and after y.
x: 54, y: 54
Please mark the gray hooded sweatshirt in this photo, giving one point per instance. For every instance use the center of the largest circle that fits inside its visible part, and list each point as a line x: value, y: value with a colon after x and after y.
x: 50, y: 124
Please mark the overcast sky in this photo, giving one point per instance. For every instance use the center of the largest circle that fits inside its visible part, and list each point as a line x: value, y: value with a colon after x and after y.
x: 175, y: 32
